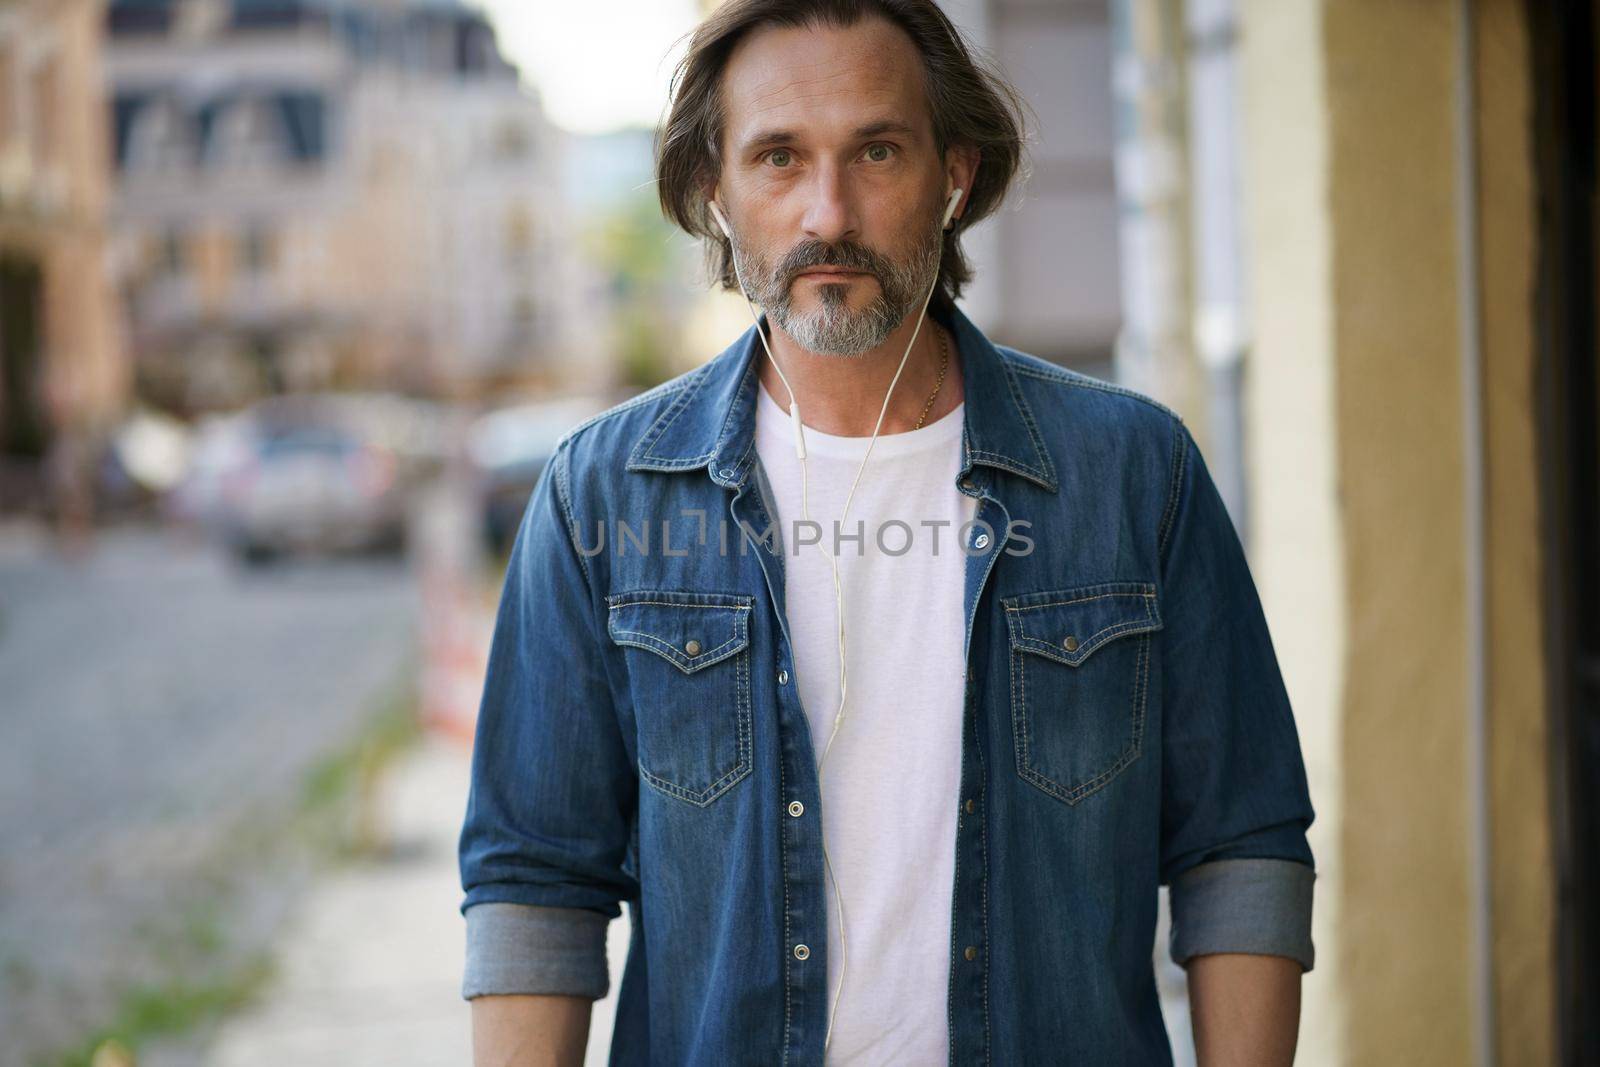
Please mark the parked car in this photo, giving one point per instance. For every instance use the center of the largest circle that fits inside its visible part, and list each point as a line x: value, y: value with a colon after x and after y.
x: 508, y: 449
x: 305, y: 484
x: 218, y: 444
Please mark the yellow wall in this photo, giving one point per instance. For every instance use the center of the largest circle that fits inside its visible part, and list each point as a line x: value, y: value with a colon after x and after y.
x: 1522, y: 892
x: 1358, y: 464
x: 1297, y: 554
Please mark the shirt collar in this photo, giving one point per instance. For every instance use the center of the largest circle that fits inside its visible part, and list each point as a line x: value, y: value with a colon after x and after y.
x: 710, y: 422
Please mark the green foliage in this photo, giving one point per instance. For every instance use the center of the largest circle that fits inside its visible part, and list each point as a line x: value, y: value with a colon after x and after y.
x: 633, y: 247
x: 173, y: 1007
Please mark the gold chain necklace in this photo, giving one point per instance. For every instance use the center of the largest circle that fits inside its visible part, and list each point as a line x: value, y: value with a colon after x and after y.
x: 944, y: 361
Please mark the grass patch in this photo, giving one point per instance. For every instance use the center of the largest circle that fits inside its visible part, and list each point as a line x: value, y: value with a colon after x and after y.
x: 338, y: 804
x: 170, y: 1008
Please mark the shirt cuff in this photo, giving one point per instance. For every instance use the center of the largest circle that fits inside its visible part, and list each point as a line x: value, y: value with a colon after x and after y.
x: 1260, y: 906
x: 528, y: 948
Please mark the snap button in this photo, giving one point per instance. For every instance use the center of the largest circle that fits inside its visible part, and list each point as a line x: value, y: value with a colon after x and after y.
x: 801, y: 952
x: 972, y: 952
x: 693, y: 647
x: 783, y: 677
x: 981, y: 541
x: 966, y: 483
x: 796, y: 808
x: 1070, y: 644
x: 971, y: 807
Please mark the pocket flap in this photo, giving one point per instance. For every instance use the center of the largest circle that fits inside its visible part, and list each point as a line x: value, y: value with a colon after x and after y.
x: 691, y: 630
x: 1067, y: 625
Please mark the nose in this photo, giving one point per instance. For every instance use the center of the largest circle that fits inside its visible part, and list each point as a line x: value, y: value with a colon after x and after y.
x: 830, y: 213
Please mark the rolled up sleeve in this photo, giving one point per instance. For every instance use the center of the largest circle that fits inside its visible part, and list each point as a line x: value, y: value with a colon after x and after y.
x: 1235, y: 800
x: 522, y: 948
x: 544, y: 845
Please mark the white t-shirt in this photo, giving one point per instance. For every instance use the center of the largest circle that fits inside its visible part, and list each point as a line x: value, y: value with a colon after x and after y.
x: 890, y: 783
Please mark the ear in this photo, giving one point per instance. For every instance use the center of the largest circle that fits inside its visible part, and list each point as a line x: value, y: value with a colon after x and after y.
x: 718, y: 216
x: 961, y: 170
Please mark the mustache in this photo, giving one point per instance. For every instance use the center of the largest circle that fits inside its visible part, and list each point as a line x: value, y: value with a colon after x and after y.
x: 847, y: 256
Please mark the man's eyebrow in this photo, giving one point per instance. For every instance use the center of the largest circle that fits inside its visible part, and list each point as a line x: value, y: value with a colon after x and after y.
x: 767, y: 138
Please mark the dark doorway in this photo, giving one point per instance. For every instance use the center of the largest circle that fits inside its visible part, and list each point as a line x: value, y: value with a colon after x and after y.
x: 1567, y: 134
x: 24, y: 431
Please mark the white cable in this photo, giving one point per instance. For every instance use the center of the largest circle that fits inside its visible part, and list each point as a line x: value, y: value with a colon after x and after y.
x: 833, y: 564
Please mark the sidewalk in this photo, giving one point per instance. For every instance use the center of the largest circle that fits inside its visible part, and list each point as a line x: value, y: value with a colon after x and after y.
x: 369, y: 968
x: 369, y: 972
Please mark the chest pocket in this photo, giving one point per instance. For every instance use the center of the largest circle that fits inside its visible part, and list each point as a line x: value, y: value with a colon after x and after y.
x: 1080, y: 669
x: 689, y: 670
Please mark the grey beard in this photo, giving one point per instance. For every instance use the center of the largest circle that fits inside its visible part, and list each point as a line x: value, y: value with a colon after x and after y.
x: 834, y: 328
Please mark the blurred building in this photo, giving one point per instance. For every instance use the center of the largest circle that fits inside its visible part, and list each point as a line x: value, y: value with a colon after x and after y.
x: 1047, y: 265
x: 62, y: 368
x: 316, y: 194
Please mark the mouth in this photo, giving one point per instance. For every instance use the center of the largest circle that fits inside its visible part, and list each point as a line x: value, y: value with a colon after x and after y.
x: 830, y: 274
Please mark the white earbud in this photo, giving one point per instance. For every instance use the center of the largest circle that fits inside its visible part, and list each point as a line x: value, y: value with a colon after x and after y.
x: 722, y: 220
x: 950, y: 206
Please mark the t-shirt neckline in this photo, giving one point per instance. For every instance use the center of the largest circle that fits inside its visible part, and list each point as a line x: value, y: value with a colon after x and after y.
x: 941, y: 431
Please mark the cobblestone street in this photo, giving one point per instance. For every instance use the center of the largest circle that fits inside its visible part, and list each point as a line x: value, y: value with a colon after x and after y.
x: 155, y: 705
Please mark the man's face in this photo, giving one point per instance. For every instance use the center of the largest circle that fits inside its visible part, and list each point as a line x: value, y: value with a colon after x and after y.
x: 832, y: 181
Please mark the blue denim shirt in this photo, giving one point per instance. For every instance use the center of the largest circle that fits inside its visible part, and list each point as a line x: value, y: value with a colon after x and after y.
x: 641, y: 739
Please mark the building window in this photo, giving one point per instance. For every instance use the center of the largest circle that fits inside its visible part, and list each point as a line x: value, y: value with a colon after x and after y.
x: 161, y: 140
x: 249, y: 138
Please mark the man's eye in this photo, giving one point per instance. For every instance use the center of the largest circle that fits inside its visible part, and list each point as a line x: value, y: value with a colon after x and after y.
x: 779, y: 157
x: 879, y: 152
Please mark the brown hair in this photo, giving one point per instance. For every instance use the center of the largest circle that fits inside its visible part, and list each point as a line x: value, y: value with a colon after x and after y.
x: 972, y: 104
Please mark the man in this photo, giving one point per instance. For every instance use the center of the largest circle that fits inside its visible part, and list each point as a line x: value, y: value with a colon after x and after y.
x: 1030, y: 659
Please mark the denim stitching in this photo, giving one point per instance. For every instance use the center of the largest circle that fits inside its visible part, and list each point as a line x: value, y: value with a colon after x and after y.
x: 1011, y: 603
x: 788, y: 936
x: 659, y: 430
x: 1022, y: 712
x: 996, y: 459
x: 560, y: 472
x: 1047, y: 468
x: 727, y: 427
x: 703, y: 797
x: 742, y: 698
x: 674, y: 604
x: 1022, y: 640
x: 652, y: 643
x: 1180, y: 460
x: 1022, y: 736
x: 1053, y: 651
x: 983, y: 875
x: 742, y: 667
